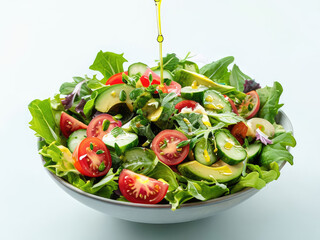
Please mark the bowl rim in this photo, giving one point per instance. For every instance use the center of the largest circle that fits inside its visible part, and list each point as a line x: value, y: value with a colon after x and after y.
x: 167, y: 205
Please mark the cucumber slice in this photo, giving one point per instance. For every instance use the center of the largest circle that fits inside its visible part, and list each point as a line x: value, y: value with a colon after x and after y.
x: 137, y: 68
x: 214, y: 100
x: 229, y: 149
x: 124, y: 141
x: 253, y: 151
x: 204, y: 157
x: 166, y: 74
x: 75, y: 138
x: 193, y: 93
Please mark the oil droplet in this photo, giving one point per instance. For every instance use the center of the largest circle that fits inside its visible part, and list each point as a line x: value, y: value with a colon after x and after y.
x: 160, y: 38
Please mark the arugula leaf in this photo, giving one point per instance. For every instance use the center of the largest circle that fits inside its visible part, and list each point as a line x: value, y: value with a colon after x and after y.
x: 168, y: 102
x: 277, y: 151
x: 218, y: 69
x: 237, y: 78
x: 43, y: 121
x: 269, y: 101
x: 108, y: 64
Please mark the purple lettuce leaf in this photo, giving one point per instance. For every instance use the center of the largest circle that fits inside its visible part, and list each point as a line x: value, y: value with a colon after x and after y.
x: 69, y: 99
x: 250, y: 85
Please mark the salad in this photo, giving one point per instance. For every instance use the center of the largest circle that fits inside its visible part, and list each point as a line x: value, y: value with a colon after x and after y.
x: 201, y: 134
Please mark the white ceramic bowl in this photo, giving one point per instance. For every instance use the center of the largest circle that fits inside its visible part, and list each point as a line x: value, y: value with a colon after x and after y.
x: 162, y: 213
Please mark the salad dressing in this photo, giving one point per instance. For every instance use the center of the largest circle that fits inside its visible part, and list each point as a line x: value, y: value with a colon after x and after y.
x: 159, y: 38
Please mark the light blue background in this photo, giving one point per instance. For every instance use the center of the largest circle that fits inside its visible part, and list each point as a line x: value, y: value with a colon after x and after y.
x: 45, y: 43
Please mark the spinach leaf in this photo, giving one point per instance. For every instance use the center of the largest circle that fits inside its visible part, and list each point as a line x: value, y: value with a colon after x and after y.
x: 108, y: 64
x: 43, y: 120
x: 140, y: 160
x: 89, y: 106
x: 189, y: 123
x: 227, y: 118
x: 269, y: 101
x: 277, y: 151
x: 170, y: 62
x: 141, y: 126
x: 237, y: 78
x: 163, y: 171
x: 218, y: 69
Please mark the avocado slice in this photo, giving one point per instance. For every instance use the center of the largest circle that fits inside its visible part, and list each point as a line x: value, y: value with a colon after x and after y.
x: 187, y: 78
x: 110, y: 97
x: 219, y: 171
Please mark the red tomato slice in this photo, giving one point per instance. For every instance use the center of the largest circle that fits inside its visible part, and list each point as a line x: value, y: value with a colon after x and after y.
x: 250, y: 105
x: 138, y: 188
x: 145, y: 78
x: 165, y: 144
x: 234, y: 108
x: 116, y: 79
x: 174, y: 87
x: 186, y: 103
x: 95, y: 126
x: 239, y: 131
x: 92, y: 158
x: 69, y: 124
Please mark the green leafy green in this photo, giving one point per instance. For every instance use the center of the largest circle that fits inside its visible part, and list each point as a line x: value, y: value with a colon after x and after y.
x: 218, y: 69
x: 269, y: 101
x: 170, y: 62
x: 140, y: 160
x: 237, y: 78
x: 227, y: 118
x: 164, y: 172
x: 141, y: 126
x: 43, y: 121
x: 108, y: 64
x: 89, y: 106
x: 61, y: 162
x: 189, y: 122
x: 251, y: 180
x: 277, y: 151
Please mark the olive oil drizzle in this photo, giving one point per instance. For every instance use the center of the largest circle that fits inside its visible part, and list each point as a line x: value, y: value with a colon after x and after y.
x: 159, y: 38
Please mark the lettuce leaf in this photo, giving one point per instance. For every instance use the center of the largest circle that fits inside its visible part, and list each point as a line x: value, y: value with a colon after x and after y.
x: 277, y: 151
x: 252, y: 180
x: 43, y: 120
x: 269, y: 101
x: 164, y: 172
x: 108, y: 64
x: 61, y: 162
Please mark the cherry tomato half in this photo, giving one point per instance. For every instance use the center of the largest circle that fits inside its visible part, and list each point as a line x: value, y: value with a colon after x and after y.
x: 116, y: 79
x: 69, y: 124
x: 165, y: 144
x: 239, y: 131
x: 186, y: 103
x: 234, y: 108
x: 138, y: 188
x: 250, y: 105
x: 92, y: 158
x: 174, y: 87
x: 95, y: 127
